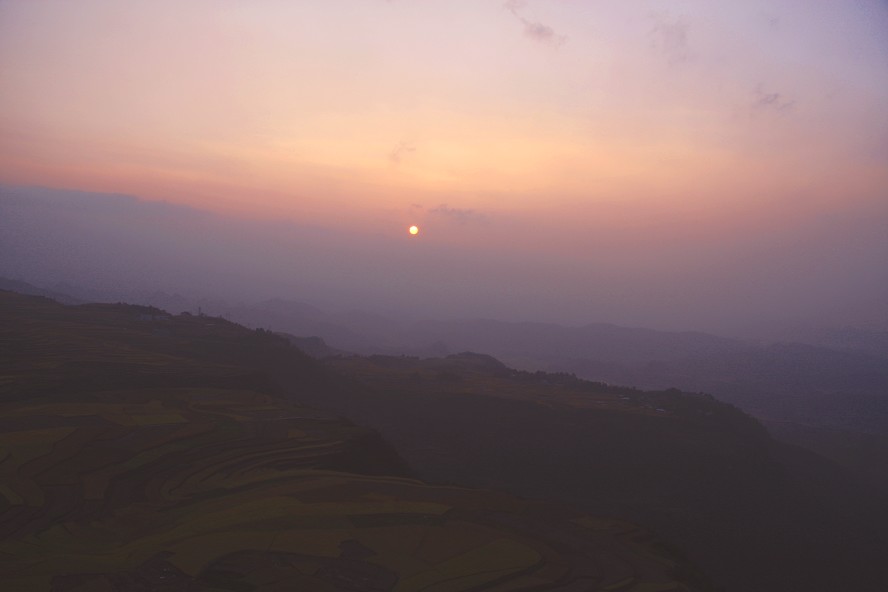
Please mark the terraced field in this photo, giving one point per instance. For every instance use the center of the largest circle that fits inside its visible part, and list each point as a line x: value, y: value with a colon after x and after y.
x: 140, y: 451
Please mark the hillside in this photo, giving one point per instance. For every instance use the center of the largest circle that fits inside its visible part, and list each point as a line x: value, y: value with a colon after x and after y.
x: 836, y: 380
x: 192, y: 418
x: 796, y: 382
x: 836, y: 383
x: 143, y: 451
x: 756, y: 514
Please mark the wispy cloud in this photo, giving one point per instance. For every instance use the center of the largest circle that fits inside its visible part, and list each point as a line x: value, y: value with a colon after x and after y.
x: 534, y: 29
x: 400, y: 151
x: 669, y: 36
x: 771, y: 101
x: 459, y: 215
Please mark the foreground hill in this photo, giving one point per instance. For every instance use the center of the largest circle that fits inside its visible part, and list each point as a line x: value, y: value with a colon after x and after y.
x: 756, y: 514
x: 141, y: 451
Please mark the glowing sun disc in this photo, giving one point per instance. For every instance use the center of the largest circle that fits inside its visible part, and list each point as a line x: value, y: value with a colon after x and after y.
x: 413, y: 230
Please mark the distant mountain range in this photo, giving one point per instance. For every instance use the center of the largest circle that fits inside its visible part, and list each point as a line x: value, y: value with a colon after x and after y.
x: 832, y: 364
x: 26, y: 288
x: 840, y: 383
x: 810, y: 384
x: 809, y: 394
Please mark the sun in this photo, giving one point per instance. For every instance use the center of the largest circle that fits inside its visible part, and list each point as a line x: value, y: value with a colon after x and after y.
x: 413, y: 230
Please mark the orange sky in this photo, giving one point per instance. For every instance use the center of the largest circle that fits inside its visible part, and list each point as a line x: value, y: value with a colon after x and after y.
x: 482, y: 121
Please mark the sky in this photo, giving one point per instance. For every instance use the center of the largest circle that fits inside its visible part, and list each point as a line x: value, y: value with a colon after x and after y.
x: 690, y: 164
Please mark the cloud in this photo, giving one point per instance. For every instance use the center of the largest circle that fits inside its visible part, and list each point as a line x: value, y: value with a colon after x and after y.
x: 400, y: 151
x: 461, y: 216
x: 670, y: 37
x: 543, y: 33
x: 771, y: 101
x: 534, y: 29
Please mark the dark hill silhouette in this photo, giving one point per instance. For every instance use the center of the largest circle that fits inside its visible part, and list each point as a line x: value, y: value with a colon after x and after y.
x: 789, y: 382
x: 313, y: 346
x: 808, y: 384
x: 26, y: 288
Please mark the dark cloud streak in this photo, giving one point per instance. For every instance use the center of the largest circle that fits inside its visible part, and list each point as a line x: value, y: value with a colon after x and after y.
x: 400, y: 151
x: 771, y: 101
x: 461, y: 216
x: 670, y: 37
x: 534, y: 29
